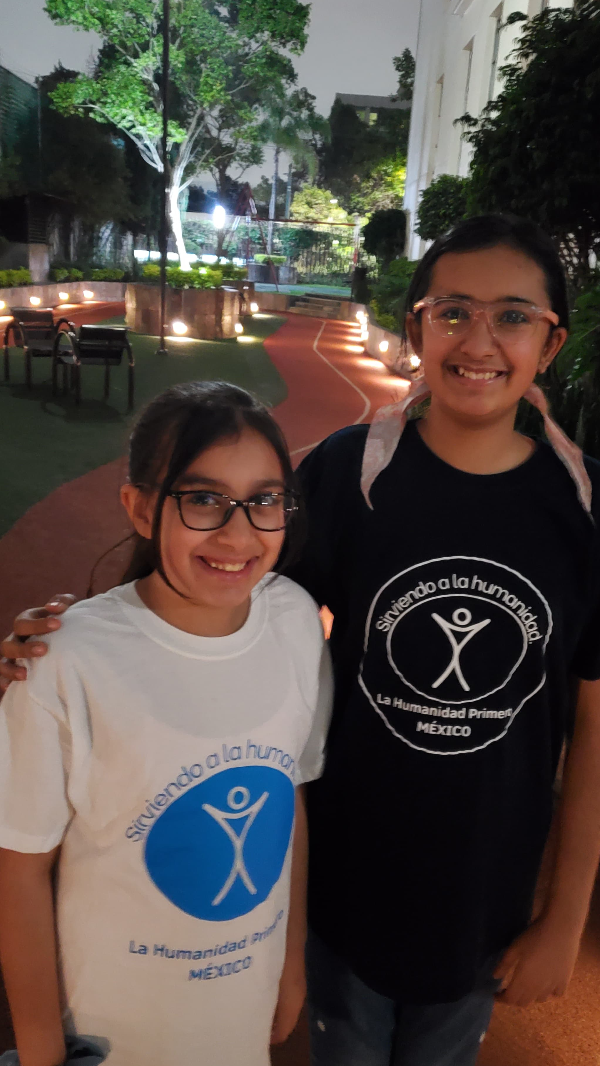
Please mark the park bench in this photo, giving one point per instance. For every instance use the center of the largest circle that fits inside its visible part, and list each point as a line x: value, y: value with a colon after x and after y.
x: 35, y: 331
x: 95, y: 346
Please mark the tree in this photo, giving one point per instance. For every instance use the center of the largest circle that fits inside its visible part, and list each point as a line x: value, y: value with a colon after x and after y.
x: 83, y: 162
x: 312, y: 204
x: 224, y: 56
x: 385, y: 235
x: 290, y: 125
x: 404, y: 66
x: 361, y: 162
x: 442, y: 205
x: 535, y: 145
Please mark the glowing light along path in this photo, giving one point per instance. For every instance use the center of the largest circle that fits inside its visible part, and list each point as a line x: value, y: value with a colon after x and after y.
x: 367, y: 407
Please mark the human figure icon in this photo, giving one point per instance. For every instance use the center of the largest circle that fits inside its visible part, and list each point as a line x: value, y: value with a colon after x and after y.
x: 460, y: 624
x: 239, y: 809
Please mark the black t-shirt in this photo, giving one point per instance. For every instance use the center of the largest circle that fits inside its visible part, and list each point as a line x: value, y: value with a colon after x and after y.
x: 463, y: 605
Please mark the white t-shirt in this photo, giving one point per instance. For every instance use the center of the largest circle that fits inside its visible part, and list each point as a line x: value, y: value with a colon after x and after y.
x: 165, y: 763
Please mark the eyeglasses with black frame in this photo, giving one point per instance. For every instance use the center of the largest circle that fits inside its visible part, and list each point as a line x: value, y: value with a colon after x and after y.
x: 203, y: 510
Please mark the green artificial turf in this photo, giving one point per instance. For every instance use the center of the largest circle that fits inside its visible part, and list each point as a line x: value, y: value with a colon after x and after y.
x: 46, y: 440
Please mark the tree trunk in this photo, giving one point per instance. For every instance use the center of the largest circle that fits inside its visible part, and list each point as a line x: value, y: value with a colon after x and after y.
x: 273, y: 202
x: 175, y: 219
x: 288, y: 192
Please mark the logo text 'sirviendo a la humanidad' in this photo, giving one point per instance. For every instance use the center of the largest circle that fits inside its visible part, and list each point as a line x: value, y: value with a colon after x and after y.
x: 454, y: 649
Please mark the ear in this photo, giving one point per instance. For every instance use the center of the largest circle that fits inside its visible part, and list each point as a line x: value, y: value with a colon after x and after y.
x: 553, y: 346
x: 140, y: 508
x: 415, y: 332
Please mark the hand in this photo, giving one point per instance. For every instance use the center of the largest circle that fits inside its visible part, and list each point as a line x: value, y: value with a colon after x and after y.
x: 33, y: 623
x: 292, y: 993
x: 538, y: 965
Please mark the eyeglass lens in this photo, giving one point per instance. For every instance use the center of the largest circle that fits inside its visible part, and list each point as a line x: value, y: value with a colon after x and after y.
x: 267, y: 511
x: 509, y: 320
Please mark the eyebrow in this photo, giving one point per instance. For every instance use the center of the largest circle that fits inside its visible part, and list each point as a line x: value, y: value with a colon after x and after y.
x: 192, y: 480
x: 500, y: 300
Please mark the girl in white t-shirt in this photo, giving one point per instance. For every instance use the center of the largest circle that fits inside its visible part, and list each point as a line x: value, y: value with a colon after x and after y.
x: 156, y: 752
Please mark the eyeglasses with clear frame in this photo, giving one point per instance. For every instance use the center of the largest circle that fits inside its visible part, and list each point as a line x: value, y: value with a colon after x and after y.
x: 203, y: 510
x: 511, y: 322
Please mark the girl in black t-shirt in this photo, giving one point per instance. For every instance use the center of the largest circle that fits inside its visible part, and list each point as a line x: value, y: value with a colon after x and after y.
x: 460, y: 561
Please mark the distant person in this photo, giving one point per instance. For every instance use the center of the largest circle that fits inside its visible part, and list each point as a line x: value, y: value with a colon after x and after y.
x: 158, y: 752
x: 461, y: 562
x: 360, y: 291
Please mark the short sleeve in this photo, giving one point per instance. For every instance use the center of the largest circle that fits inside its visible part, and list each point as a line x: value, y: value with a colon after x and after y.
x: 34, y: 757
x: 311, y: 761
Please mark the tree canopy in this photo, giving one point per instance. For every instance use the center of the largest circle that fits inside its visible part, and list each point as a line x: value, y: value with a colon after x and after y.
x: 364, y: 164
x: 442, y: 205
x: 225, y: 56
x: 315, y: 204
x: 536, y: 145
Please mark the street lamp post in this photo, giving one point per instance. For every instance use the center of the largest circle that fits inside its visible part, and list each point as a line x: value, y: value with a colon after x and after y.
x: 164, y: 230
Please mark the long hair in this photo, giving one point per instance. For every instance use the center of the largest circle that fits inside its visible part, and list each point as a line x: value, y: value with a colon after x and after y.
x: 488, y: 231
x: 172, y: 431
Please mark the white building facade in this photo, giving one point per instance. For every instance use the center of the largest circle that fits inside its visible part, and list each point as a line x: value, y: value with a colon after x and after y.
x: 461, y: 46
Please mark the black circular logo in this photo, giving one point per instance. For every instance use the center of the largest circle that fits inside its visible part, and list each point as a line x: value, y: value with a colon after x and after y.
x: 454, y: 648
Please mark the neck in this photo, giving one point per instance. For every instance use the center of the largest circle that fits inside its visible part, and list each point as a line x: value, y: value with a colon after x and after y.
x: 476, y: 448
x: 186, y: 614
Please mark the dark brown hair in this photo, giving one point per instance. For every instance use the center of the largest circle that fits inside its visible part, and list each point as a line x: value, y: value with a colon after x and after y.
x: 173, y: 430
x: 488, y: 231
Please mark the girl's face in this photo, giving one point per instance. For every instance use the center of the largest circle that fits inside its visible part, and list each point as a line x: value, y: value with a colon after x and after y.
x: 217, y: 569
x: 474, y: 376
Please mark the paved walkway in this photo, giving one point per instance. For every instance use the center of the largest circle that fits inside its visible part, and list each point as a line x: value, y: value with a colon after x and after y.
x: 53, y: 547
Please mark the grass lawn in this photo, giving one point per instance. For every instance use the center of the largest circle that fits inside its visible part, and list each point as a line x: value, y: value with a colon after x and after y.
x: 342, y: 291
x: 46, y: 441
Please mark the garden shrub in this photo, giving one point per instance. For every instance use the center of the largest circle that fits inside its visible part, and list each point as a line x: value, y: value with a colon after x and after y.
x: 59, y: 274
x: 276, y: 260
x: 389, y: 294
x: 107, y: 274
x: 74, y: 274
x: 9, y: 279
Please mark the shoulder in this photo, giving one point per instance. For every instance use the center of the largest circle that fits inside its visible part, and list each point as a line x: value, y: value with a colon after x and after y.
x: 342, y: 451
x: 288, y: 601
x: 85, y: 620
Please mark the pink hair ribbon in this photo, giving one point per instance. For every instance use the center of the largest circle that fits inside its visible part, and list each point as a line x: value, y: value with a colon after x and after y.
x: 389, y: 422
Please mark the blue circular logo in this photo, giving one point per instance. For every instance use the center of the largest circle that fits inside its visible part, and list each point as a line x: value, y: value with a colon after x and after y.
x: 219, y: 849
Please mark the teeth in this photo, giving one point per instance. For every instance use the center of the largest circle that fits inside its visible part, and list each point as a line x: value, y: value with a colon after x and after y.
x: 230, y: 567
x: 473, y: 375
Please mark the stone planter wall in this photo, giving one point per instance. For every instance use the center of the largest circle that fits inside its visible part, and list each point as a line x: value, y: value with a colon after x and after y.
x: 209, y: 314
x: 109, y: 291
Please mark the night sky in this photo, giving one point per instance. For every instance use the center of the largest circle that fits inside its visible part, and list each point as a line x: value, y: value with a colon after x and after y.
x: 350, y: 48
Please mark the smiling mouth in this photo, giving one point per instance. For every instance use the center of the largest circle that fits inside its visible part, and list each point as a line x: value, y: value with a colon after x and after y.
x: 230, y: 568
x: 477, y: 375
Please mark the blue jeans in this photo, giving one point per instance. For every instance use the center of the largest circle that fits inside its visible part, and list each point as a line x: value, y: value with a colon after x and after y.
x: 350, y: 1025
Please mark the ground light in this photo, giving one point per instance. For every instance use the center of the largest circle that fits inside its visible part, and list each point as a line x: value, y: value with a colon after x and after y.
x: 238, y: 327
x: 358, y: 348
x: 88, y: 294
x: 34, y: 301
x: 383, y: 346
x: 254, y: 308
x: 179, y: 328
x: 63, y: 296
x: 414, y: 361
x: 2, y: 305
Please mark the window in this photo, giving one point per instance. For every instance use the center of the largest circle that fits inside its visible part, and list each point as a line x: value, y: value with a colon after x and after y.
x: 497, y: 17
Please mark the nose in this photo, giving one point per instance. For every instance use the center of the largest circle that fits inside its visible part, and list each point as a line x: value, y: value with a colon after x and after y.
x: 479, y: 341
x: 238, y: 531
